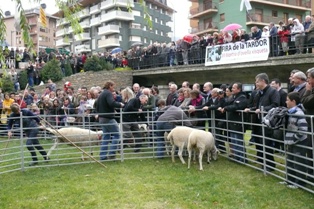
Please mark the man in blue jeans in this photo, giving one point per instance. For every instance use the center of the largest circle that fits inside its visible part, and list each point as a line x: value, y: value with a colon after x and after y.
x: 30, y: 125
x: 105, y: 106
x: 234, y: 118
x: 168, y: 118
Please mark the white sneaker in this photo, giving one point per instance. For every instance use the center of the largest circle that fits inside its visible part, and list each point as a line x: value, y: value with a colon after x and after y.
x: 291, y: 186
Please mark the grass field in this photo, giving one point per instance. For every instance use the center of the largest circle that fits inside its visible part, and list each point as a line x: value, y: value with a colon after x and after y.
x: 148, y: 184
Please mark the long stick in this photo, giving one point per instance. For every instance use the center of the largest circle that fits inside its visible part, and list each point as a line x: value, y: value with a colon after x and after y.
x: 23, y: 94
x: 5, y: 148
x: 97, y: 161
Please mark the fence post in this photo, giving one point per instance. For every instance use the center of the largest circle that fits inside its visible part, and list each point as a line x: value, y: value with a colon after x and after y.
x: 263, y: 140
x: 121, y: 136
x: 22, y: 143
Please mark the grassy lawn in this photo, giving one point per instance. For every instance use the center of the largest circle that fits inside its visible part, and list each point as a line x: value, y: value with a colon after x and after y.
x: 148, y: 184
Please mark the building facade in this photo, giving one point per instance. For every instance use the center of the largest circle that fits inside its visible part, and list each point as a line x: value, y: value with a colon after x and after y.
x: 45, y: 37
x: 120, y: 23
x: 213, y: 15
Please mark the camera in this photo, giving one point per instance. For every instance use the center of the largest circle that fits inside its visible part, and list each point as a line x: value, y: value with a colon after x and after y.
x: 220, y: 92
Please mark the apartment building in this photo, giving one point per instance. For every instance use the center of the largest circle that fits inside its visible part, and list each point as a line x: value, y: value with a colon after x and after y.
x: 213, y: 15
x: 45, y: 37
x: 120, y: 23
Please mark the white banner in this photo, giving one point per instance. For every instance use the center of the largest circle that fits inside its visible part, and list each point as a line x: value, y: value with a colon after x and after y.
x: 253, y: 50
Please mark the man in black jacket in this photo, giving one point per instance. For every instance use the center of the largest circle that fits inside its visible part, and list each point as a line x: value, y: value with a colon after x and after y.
x: 130, y: 117
x: 105, y: 106
x: 267, y: 98
x: 217, y: 100
x: 235, y: 124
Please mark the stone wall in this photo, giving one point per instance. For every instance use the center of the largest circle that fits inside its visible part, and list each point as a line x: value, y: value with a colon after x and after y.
x: 90, y: 79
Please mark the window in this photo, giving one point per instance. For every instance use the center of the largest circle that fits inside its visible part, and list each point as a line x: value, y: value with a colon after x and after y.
x: 135, y: 38
x: 222, y: 17
x: 156, y: 20
x: 41, y: 29
x: 161, y: 33
x: 156, y: 32
x: 151, y: 42
x: 161, y: 11
x: 135, y: 26
x: 299, y: 17
x: 144, y: 28
x: 145, y: 40
x: 136, y: 13
x: 161, y: 22
x: 274, y: 13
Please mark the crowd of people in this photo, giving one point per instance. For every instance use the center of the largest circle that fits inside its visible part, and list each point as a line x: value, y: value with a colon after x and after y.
x: 190, y: 107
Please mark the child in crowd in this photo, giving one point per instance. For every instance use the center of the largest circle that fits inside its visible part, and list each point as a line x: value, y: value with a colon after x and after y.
x: 296, y: 140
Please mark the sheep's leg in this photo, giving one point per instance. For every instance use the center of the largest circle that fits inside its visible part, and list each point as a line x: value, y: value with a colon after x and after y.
x: 54, y: 146
x: 190, y: 156
x: 208, y: 156
x: 200, y: 157
x: 172, y: 152
x: 180, y: 153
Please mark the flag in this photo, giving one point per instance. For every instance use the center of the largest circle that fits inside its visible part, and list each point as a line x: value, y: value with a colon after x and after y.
x: 42, y: 17
x: 247, y: 5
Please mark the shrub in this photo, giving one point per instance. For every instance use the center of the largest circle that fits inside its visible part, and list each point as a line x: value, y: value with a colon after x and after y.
x: 68, y: 69
x: 23, y: 79
x: 51, y: 71
x: 7, y: 84
x: 104, y: 64
x: 92, y: 64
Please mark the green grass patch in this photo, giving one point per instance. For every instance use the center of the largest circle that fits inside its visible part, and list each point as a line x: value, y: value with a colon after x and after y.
x: 142, y: 183
x: 123, y: 69
x: 148, y: 183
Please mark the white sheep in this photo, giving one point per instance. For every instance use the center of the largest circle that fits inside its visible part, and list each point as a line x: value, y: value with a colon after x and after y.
x: 203, y: 141
x: 79, y: 136
x: 179, y: 137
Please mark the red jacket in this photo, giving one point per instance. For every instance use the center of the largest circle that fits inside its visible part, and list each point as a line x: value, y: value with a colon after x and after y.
x: 284, y: 35
x: 21, y: 103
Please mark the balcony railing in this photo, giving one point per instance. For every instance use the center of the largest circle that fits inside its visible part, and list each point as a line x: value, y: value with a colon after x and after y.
x: 119, y: 3
x: 108, y: 29
x: 262, y: 19
x: 61, y: 32
x: 83, y: 13
x: 85, y: 24
x: 95, y: 21
x: 298, y: 3
x: 203, y: 9
x: 114, y: 15
x: 82, y: 37
x: 95, y: 9
x: 204, y: 28
x: 108, y: 42
x: 82, y: 48
x: 62, y: 42
x: 61, y: 21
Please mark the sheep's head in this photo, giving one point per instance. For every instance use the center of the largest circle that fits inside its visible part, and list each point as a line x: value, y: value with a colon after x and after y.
x: 214, y: 153
x: 166, y: 136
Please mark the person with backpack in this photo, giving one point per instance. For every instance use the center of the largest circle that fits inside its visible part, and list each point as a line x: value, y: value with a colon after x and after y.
x: 266, y: 99
x: 296, y: 141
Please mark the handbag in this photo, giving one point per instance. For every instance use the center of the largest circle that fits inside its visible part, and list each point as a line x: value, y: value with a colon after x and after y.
x: 4, y: 117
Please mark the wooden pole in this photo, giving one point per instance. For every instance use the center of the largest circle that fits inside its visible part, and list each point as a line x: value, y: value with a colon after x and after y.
x: 97, y: 161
